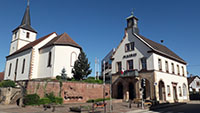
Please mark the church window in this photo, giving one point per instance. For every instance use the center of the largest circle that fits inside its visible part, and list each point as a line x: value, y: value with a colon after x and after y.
x: 130, y: 65
x: 73, y: 58
x: 9, y: 69
x: 160, y: 64
x: 27, y: 34
x: 49, y: 60
x: 16, y: 66
x: 23, y: 66
x: 15, y: 35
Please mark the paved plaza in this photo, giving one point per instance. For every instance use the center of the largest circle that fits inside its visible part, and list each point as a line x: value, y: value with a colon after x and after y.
x: 118, y: 107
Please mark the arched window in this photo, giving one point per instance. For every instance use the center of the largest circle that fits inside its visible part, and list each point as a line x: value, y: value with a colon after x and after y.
x: 73, y: 58
x: 184, y: 90
x: 23, y: 66
x: 16, y: 66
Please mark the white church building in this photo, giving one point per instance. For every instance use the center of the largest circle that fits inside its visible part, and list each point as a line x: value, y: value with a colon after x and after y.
x: 31, y: 58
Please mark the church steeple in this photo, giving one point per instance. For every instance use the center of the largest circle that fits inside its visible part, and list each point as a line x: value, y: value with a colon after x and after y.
x: 24, y: 33
x: 26, y: 20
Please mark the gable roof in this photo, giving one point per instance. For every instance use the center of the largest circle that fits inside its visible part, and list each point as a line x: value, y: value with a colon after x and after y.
x: 190, y: 79
x: 1, y: 76
x: 156, y: 47
x: 31, y: 44
x: 63, y: 39
x: 161, y: 49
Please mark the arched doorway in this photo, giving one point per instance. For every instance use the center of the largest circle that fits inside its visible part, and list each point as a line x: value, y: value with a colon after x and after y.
x: 147, y: 90
x: 131, y: 91
x: 162, y: 91
x: 120, y: 91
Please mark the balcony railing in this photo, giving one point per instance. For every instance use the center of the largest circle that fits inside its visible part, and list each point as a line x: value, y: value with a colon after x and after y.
x: 130, y: 73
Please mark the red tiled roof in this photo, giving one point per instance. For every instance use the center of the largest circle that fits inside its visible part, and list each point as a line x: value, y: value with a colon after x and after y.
x: 1, y: 76
x: 31, y: 44
x: 63, y: 39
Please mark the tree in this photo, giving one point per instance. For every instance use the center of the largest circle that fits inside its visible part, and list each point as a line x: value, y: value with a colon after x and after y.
x: 81, y: 67
x: 63, y: 74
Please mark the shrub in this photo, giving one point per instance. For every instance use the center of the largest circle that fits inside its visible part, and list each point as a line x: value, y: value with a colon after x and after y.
x: 7, y: 83
x: 51, y: 97
x: 31, y: 99
x: 44, y: 101
x: 59, y: 100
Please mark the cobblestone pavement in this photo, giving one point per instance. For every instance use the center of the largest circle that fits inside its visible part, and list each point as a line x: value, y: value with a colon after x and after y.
x: 119, y: 107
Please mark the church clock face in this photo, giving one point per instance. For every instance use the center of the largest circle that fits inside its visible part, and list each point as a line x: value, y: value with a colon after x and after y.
x: 130, y: 23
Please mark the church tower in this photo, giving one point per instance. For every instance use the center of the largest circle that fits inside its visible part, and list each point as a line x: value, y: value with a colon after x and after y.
x: 24, y: 33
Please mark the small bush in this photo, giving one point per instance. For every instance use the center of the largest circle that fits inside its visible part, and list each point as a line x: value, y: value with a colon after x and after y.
x: 44, y: 101
x: 59, y: 100
x: 51, y: 97
x: 31, y: 99
x: 7, y: 83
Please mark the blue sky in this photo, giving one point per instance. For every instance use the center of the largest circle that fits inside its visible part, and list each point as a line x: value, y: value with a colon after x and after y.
x: 98, y: 25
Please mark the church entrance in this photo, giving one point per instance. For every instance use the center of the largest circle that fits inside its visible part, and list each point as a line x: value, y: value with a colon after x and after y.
x: 131, y: 91
x: 120, y: 91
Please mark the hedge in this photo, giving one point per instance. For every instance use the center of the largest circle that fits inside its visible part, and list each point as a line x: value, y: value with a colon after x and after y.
x: 7, y: 83
x: 31, y: 99
x: 34, y: 99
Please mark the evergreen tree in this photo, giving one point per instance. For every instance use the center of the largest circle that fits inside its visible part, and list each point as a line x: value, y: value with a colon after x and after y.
x: 81, y: 67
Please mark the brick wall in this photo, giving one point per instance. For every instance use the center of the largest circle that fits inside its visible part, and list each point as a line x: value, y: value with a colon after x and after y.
x: 71, y: 91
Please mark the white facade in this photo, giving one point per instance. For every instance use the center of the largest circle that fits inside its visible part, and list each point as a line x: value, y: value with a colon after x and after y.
x: 62, y: 57
x: 194, y: 86
x: 20, y: 38
x: 165, y: 71
x: 36, y: 60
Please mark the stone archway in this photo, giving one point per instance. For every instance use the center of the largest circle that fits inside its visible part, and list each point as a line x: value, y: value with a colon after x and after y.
x: 162, y: 96
x: 120, y: 91
x: 131, y: 91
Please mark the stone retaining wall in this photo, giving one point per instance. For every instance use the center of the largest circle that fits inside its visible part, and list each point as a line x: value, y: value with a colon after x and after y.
x: 75, y: 92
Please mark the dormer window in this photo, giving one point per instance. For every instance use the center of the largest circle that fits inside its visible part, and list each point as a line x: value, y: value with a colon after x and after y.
x: 129, y: 47
x: 27, y: 34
